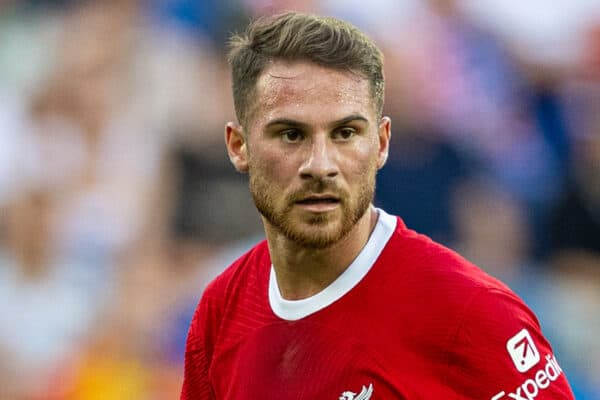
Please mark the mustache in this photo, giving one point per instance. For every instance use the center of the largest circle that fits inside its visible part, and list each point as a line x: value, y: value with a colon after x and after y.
x: 315, y: 187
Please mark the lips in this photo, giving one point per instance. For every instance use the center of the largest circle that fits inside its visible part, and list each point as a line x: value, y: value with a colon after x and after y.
x: 321, y: 203
x: 321, y: 199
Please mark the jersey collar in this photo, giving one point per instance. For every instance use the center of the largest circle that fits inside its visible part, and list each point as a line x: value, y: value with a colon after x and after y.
x: 293, y: 310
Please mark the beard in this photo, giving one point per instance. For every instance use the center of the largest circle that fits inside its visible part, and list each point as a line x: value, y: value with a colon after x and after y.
x: 319, y: 231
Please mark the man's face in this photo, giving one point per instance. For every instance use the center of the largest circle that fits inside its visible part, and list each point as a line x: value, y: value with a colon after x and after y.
x: 312, y: 147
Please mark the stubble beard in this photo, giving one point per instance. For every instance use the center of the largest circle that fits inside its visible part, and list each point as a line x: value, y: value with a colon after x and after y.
x: 319, y: 235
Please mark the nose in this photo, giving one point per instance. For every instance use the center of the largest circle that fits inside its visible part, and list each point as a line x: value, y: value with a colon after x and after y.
x: 320, y: 161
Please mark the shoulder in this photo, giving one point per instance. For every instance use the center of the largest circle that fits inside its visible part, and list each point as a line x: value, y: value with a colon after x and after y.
x: 220, y: 291
x: 203, y: 333
x: 435, y: 270
x: 491, y: 342
x: 443, y: 289
x: 247, y: 265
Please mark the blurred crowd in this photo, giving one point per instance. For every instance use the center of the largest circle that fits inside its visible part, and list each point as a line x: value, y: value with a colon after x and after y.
x: 118, y: 203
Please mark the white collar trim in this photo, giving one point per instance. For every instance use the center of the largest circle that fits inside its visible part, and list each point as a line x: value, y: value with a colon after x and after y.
x: 293, y: 310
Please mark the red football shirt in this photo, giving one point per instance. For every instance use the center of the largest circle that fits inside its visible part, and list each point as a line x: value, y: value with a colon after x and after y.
x: 408, y: 319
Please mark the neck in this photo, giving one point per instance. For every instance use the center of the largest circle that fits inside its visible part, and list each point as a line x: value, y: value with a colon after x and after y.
x: 303, y: 272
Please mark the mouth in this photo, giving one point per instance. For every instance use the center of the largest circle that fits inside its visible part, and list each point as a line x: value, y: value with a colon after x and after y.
x: 319, y: 203
x: 319, y: 198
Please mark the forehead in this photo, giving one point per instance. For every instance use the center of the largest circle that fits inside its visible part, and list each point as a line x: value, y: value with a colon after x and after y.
x: 306, y: 90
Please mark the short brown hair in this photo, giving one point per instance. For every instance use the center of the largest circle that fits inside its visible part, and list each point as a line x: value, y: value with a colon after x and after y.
x: 293, y: 36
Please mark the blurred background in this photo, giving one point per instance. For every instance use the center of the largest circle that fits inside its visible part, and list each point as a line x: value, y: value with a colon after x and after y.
x: 118, y: 203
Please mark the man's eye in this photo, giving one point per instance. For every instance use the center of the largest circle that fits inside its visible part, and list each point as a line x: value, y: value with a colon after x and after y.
x: 291, y: 135
x: 345, y: 133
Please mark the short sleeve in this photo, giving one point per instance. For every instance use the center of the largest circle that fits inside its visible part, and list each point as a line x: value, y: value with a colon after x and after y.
x: 499, y: 352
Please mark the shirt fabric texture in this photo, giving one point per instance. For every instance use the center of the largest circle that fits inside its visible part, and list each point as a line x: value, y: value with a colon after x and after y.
x: 408, y: 319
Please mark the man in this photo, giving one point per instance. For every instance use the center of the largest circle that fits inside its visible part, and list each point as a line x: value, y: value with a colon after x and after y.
x: 343, y: 301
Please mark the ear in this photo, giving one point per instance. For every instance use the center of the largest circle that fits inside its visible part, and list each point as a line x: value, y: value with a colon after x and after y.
x: 236, y: 146
x: 384, y: 133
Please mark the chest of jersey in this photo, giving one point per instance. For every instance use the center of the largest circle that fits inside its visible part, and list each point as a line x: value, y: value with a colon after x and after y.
x: 303, y: 360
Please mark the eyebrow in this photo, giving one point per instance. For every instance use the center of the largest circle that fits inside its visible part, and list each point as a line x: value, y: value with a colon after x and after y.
x: 298, y: 124
x: 348, y: 119
x: 286, y: 122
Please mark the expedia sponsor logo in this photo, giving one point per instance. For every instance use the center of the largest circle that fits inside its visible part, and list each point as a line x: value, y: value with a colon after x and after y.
x: 532, y: 387
x: 523, y: 351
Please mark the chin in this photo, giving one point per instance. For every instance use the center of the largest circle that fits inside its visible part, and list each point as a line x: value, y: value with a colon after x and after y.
x: 317, y: 236
x: 312, y: 230
x: 314, y: 242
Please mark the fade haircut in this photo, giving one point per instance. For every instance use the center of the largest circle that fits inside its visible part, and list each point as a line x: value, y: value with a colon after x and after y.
x: 293, y: 36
